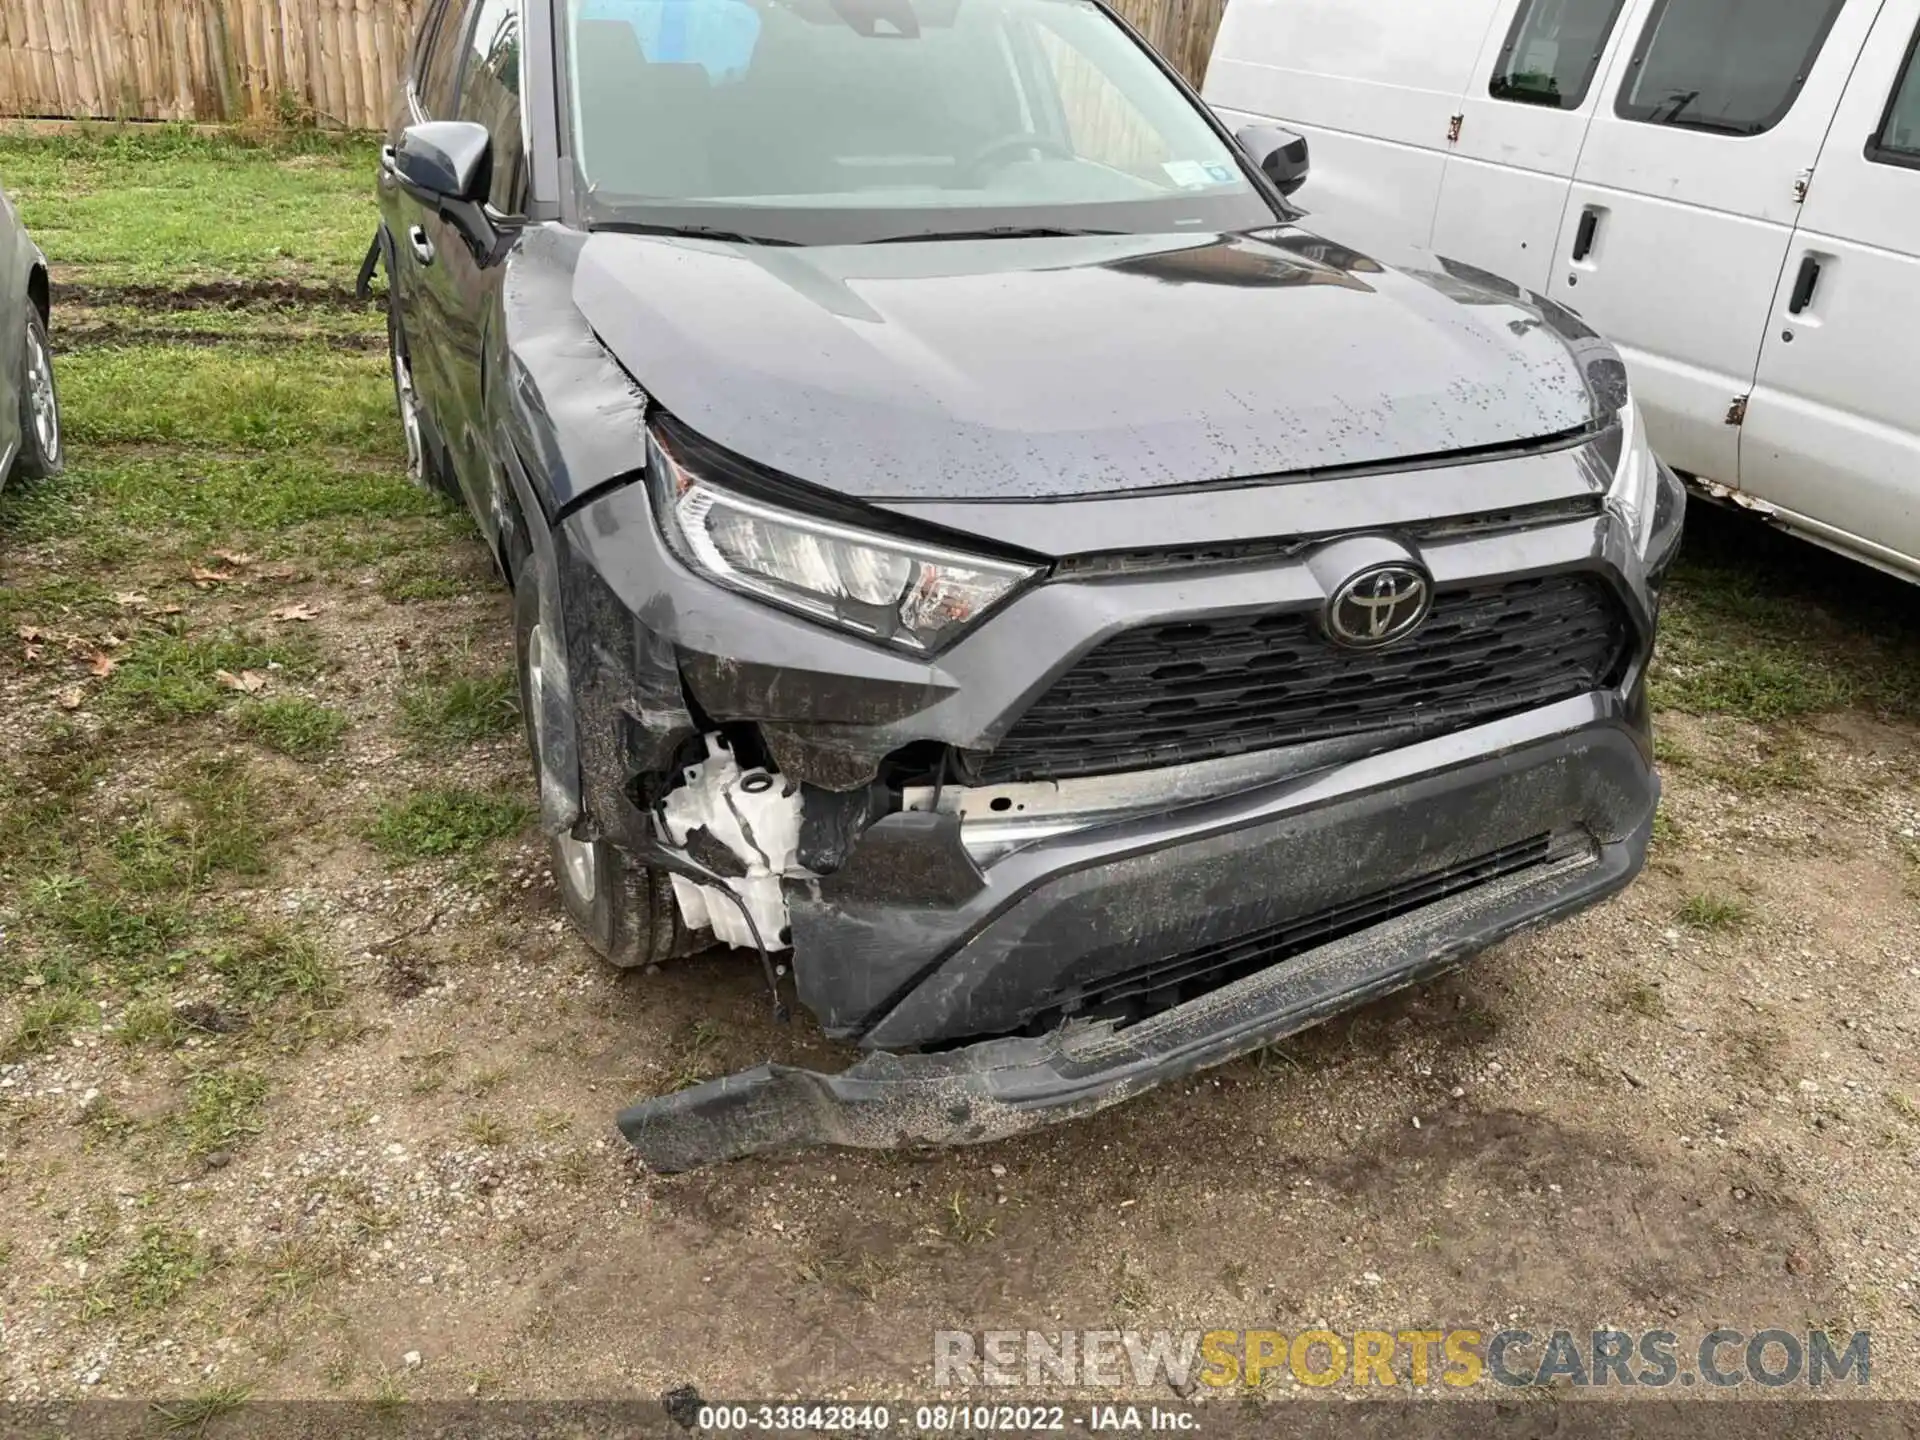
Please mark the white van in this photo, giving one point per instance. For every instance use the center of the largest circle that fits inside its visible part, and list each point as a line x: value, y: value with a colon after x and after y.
x: 1727, y: 189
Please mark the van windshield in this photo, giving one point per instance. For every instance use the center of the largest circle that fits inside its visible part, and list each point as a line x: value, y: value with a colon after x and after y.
x: 837, y: 121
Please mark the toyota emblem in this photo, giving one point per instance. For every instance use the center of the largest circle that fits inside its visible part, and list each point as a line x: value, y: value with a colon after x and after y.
x: 1379, y: 606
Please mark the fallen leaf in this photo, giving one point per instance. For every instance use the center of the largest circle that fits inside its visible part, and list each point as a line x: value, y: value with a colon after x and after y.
x: 206, y: 578
x: 130, y: 600
x: 69, y: 698
x: 247, y: 682
x: 280, y: 572
x: 297, y: 611
x: 236, y: 560
x: 171, y: 610
x: 31, y: 633
x: 100, y: 663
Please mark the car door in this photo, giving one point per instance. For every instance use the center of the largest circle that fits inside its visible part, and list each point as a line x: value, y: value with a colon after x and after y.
x: 1686, y: 195
x: 1522, y: 124
x: 468, y: 283
x: 414, y: 226
x: 1833, y: 431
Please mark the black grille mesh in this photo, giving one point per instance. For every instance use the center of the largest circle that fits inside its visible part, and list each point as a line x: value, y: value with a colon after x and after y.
x: 1147, y: 988
x: 1176, y: 693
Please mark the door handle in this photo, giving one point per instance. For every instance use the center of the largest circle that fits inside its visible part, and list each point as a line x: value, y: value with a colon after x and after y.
x: 389, y: 163
x: 1804, y: 285
x: 422, y: 246
x: 1583, y: 237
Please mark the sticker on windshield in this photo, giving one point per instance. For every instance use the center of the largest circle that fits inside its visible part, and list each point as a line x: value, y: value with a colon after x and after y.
x: 1196, y: 174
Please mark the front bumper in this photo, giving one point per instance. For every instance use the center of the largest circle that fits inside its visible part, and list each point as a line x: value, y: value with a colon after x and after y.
x: 999, y: 1088
x: 1576, y: 773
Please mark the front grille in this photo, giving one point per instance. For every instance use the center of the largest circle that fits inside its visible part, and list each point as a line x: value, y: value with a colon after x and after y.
x: 1106, y: 564
x: 1159, y: 985
x: 1198, y: 690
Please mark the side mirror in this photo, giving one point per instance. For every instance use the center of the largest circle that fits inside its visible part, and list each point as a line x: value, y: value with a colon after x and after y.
x: 1280, y: 154
x: 447, y: 160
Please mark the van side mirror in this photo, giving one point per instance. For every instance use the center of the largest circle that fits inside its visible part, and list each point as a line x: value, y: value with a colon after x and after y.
x: 1280, y: 154
x: 445, y: 160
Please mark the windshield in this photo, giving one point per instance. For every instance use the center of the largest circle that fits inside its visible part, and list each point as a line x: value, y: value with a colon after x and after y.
x: 831, y: 121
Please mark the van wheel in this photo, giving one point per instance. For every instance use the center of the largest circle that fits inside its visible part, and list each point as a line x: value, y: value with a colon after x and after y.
x: 623, y: 909
x: 42, y: 446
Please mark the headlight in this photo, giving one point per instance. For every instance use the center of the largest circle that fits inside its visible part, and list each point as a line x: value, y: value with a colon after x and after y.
x: 908, y: 594
x: 1635, y: 491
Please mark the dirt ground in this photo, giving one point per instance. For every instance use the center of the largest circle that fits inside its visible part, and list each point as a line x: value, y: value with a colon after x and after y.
x: 307, y: 1090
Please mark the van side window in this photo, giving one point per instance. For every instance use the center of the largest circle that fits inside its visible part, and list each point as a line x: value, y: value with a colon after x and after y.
x: 1730, y: 66
x: 440, y: 61
x: 1553, y: 50
x: 490, y: 96
x: 1897, y: 142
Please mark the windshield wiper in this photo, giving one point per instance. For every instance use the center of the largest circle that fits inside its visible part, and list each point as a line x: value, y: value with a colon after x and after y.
x: 691, y: 232
x: 996, y: 232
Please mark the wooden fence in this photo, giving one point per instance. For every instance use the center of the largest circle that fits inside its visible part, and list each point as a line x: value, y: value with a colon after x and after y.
x: 336, y: 60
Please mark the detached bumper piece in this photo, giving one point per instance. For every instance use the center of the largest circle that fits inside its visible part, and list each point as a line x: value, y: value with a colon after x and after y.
x: 998, y: 1088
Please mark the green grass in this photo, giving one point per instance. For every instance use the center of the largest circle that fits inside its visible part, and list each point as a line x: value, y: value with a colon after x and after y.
x: 150, y: 205
x: 405, y: 585
x: 221, y: 1110
x: 163, y: 1265
x: 194, y: 498
x: 298, y: 728
x: 1766, y: 628
x: 454, y: 712
x: 486, y: 1130
x: 44, y: 1024
x: 215, y: 827
x: 41, y: 797
x: 1667, y: 834
x: 149, y: 1024
x: 171, y: 675
x: 432, y: 823
x: 268, y: 968
x: 57, y: 603
x: 192, y: 1414
x: 234, y: 396
x: 1711, y: 912
x: 119, y: 934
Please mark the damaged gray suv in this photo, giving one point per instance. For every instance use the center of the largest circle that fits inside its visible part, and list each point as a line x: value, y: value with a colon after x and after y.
x: 974, y: 547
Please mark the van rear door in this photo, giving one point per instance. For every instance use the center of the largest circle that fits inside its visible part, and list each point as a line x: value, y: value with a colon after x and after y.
x: 1523, y: 119
x: 1833, y: 431
x: 1686, y: 195
x: 1374, y: 88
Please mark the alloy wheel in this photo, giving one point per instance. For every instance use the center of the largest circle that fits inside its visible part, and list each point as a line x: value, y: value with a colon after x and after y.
x: 43, y: 402
x: 579, y: 865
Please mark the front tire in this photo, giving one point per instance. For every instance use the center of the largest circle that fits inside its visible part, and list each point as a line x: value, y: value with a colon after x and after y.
x: 623, y: 909
x: 42, y: 443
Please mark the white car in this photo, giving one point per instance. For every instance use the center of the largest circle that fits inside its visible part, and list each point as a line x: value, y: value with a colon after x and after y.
x: 1729, y: 190
x: 30, y: 444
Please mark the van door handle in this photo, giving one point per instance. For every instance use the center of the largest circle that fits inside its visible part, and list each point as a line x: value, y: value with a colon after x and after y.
x: 1804, y: 286
x: 422, y: 246
x: 1583, y: 237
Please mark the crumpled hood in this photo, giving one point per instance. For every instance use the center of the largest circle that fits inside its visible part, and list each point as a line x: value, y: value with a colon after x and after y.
x: 1026, y: 369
